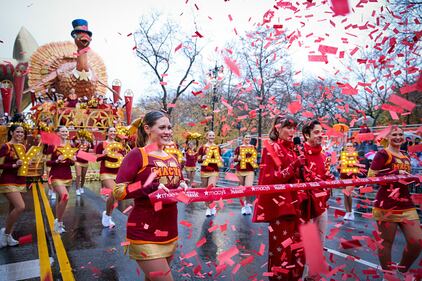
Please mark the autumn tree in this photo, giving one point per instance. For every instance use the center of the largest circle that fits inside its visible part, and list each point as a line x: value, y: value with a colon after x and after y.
x: 169, y: 56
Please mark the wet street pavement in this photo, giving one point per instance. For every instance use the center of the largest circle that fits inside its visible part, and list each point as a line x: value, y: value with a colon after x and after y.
x: 95, y: 253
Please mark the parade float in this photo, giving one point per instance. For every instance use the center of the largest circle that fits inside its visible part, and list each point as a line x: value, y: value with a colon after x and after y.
x: 63, y: 83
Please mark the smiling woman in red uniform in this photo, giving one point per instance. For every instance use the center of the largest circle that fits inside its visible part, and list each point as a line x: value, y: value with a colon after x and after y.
x: 60, y: 176
x: 280, y: 164
x: 191, y: 156
x: 152, y: 234
x: 108, y: 174
x: 393, y: 207
x: 11, y: 185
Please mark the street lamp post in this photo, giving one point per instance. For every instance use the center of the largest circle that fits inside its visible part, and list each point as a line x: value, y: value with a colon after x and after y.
x: 215, y: 75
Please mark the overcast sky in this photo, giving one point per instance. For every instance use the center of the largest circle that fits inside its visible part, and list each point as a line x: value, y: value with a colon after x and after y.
x: 111, y: 21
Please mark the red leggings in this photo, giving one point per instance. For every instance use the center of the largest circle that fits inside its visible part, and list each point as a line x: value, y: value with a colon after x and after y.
x: 279, y: 256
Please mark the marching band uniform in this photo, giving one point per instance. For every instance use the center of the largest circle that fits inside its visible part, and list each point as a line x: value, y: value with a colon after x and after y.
x: 392, y: 205
x: 9, y: 179
x: 152, y: 234
x: 282, y: 211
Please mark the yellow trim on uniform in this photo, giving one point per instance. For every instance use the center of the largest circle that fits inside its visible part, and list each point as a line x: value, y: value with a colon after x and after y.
x: 65, y: 268
x: 45, y: 267
x: 392, y: 215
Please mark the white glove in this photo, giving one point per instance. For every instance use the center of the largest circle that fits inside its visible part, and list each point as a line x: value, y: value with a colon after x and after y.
x: 183, y: 185
x: 163, y: 187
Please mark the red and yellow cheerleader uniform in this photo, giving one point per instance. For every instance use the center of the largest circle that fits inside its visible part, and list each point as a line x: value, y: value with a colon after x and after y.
x: 241, y: 153
x: 282, y: 211
x: 107, y: 173
x: 79, y: 161
x: 152, y: 234
x: 210, y: 169
x: 392, y: 202
x: 191, y: 159
x: 315, y: 171
x: 9, y: 179
x: 60, y: 172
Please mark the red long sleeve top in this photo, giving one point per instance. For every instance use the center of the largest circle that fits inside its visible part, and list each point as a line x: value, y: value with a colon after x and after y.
x: 99, y: 150
x: 145, y: 225
x: 394, y: 196
x: 211, y: 167
x: 249, y: 167
x: 60, y: 170
x: 316, y: 171
x: 9, y: 174
x: 191, y: 158
x: 275, y: 168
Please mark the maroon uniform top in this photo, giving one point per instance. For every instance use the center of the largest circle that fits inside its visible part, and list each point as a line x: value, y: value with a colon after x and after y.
x: 86, y: 149
x: 393, y: 196
x: 9, y: 175
x: 145, y: 225
x: 316, y: 171
x: 275, y: 168
x: 103, y: 158
x: 191, y: 158
x: 60, y: 170
x: 249, y: 167
x: 211, y: 167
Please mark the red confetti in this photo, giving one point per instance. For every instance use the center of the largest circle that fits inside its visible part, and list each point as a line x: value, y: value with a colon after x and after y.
x: 313, y: 249
x: 232, y: 66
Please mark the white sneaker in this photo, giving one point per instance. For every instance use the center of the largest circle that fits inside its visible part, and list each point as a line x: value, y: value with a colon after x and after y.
x: 82, y: 190
x: 53, y: 195
x: 248, y: 210
x: 346, y: 216
x: 213, y: 211
x: 3, y: 238
x: 78, y: 192
x: 107, y: 221
x: 58, y: 227
x: 10, y: 241
x: 352, y: 216
x: 208, y: 212
x: 243, y: 211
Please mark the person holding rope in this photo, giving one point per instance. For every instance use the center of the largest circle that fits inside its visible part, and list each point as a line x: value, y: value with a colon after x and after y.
x: 245, y: 155
x: 11, y: 184
x: 393, y: 207
x: 280, y: 164
x: 152, y: 233
x: 109, y: 166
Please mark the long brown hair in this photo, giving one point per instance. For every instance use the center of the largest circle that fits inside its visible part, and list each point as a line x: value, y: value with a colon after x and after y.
x: 281, y: 122
x: 149, y: 119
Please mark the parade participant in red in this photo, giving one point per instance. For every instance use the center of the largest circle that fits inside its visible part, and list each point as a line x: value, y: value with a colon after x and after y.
x: 109, y: 166
x: 191, y: 156
x: 84, y: 142
x: 280, y: 164
x: 393, y: 207
x: 152, y: 233
x: 209, y: 155
x: 245, y: 155
x: 61, y: 159
x: 11, y: 185
x: 316, y: 170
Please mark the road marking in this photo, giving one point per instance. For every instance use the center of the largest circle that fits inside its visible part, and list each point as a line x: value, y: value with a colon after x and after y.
x: 14, y: 272
x: 361, y: 261
x: 44, y: 259
x: 65, y: 268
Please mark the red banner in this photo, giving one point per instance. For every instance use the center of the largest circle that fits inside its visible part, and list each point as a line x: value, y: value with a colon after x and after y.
x: 6, y: 95
x: 116, y: 93
x: 215, y: 194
